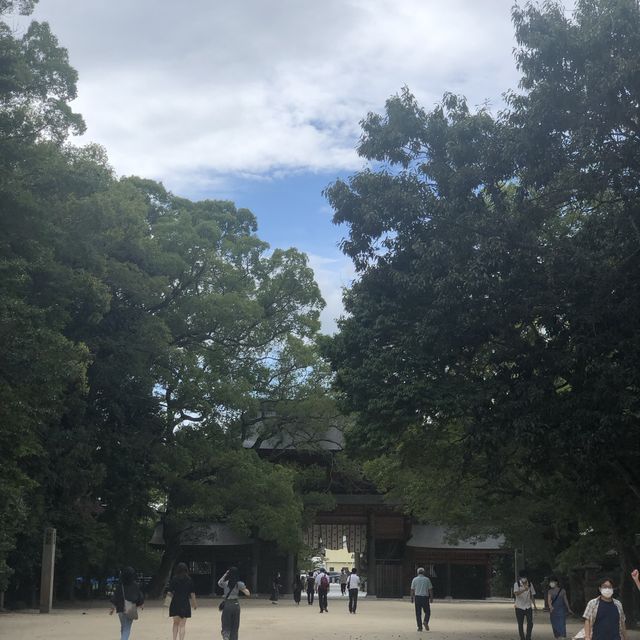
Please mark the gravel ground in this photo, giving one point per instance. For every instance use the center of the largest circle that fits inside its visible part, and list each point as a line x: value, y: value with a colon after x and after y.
x: 375, y: 620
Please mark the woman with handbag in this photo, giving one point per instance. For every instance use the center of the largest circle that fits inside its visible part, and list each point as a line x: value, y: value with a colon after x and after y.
x: 183, y: 598
x: 230, y: 607
x: 559, y: 608
x: 126, y: 599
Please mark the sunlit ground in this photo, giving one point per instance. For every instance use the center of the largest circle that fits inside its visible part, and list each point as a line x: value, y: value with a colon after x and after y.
x: 375, y: 620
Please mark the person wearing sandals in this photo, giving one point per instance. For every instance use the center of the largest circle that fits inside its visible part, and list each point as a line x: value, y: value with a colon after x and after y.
x: 183, y: 597
x: 230, y: 619
x: 559, y: 608
x: 603, y: 617
x: 128, y: 589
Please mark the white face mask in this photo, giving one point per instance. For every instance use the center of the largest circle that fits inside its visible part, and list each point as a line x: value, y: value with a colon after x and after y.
x: 553, y: 584
x: 607, y: 592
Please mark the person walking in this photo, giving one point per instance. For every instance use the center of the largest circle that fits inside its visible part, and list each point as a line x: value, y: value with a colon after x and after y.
x: 297, y: 588
x: 525, y: 603
x: 353, y: 584
x: 322, y: 589
x: 344, y: 577
x: 230, y: 619
x: 603, y: 616
x: 559, y: 608
x: 275, y: 588
x: 183, y: 597
x: 128, y: 589
x: 311, y: 587
x: 422, y: 597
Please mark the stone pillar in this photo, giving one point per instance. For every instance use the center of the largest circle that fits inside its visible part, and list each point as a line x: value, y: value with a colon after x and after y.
x: 48, y: 568
x: 488, y: 573
x: 255, y: 560
x: 288, y: 586
x: 371, y: 554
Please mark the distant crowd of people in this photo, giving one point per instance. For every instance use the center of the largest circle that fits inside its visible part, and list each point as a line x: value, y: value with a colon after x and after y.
x: 604, y: 617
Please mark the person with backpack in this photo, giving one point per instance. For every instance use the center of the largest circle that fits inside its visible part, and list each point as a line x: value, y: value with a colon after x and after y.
x: 559, y: 608
x: 353, y: 585
x: 311, y: 587
x: 322, y: 589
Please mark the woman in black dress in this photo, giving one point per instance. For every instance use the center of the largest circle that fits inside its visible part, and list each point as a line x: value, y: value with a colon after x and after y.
x: 183, y: 597
x: 297, y: 589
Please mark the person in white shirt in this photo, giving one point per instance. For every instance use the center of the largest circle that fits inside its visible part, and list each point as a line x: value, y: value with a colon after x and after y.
x: 422, y: 597
x: 525, y: 602
x: 353, y: 584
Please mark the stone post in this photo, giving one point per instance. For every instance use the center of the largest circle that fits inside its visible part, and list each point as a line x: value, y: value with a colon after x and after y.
x: 48, y: 568
x: 371, y: 554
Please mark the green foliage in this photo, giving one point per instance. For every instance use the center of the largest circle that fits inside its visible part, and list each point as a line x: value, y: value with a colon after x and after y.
x: 142, y: 334
x: 490, y: 344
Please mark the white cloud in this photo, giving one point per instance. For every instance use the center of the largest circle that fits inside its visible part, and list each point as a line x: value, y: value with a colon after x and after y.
x: 196, y: 92
x: 185, y: 91
x: 332, y: 276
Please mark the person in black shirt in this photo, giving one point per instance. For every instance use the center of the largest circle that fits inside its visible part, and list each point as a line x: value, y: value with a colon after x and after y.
x: 297, y: 588
x: 311, y: 587
x: 126, y: 589
x: 183, y: 597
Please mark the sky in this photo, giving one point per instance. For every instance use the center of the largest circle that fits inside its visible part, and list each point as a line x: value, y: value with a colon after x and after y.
x: 259, y: 101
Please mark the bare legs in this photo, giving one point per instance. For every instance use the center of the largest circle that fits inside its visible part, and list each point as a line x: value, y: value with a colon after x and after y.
x: 179, y: 627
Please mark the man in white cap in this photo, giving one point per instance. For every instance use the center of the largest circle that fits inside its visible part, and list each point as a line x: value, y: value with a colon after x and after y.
x: 422, y: 597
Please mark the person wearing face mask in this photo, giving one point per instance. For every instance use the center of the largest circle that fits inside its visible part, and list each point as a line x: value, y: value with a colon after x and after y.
x: 524, y: 593
x: 603, y: 617
x: 559, y: 608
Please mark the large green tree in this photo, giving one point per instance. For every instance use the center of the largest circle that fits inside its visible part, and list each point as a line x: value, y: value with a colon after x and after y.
x: 142, y: 334
x: 490, y: 334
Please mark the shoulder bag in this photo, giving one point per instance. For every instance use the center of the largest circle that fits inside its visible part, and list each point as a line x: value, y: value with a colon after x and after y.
x: 130, y: 608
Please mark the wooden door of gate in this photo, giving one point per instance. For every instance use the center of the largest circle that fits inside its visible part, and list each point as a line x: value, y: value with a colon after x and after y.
x: 389, y: 578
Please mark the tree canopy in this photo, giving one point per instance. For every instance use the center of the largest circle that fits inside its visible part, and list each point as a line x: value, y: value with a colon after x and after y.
x: 490, y: 343
x: 142, y: 333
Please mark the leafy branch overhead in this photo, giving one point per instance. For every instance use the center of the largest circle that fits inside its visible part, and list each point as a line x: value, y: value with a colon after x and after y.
x: 489, y: 347
x: 142, y: 332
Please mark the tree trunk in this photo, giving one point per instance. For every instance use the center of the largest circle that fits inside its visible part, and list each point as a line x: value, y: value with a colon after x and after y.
x: 169, y: 557
x: 627, y: 558
x: 627, y: 587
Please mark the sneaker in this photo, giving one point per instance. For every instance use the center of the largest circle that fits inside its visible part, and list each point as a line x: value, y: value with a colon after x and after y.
x: 419, y: 628
x: 426, y: 626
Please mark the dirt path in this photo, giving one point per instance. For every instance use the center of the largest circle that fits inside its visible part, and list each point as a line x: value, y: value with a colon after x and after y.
x: 261, y: 620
